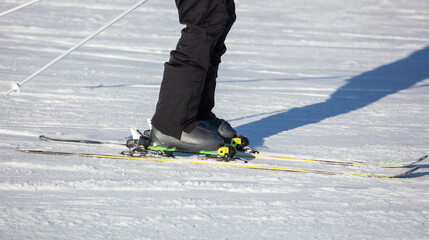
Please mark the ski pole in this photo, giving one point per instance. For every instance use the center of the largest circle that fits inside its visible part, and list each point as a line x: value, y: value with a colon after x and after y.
x: 19, y: 7
x: 16, y: 86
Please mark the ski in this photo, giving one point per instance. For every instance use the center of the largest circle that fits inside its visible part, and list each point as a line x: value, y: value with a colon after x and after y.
x: 217, y: 163
x: 249, y: 155
x: 343, y: 163
x: 84, y: 141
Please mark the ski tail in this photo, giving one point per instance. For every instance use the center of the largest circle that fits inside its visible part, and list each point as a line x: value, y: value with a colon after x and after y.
x: 83, y: 141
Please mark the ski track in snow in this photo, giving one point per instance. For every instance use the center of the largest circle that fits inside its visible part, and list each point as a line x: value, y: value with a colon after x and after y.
x: 325, y: 80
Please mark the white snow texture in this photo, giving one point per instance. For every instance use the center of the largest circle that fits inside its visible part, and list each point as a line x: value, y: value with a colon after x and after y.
x: 333, y: 79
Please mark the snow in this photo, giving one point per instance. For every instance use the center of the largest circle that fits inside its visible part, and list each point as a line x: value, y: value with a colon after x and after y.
x: 332, y: 79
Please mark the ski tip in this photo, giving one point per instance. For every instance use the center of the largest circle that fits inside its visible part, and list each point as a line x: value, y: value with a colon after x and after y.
x: 412, y: 170
x: 419, y: 160
x: 45, y: 138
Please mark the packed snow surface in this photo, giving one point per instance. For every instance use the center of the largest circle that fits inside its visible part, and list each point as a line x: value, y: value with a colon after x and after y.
x: 341, y: 80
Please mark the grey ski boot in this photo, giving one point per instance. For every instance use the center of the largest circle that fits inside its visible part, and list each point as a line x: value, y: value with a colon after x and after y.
x: 200, y: 138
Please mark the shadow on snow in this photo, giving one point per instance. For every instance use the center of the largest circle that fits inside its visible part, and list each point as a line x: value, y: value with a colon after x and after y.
x: 358, y: 92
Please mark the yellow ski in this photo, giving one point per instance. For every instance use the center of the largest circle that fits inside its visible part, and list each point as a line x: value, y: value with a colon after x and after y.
x: 218, y: 163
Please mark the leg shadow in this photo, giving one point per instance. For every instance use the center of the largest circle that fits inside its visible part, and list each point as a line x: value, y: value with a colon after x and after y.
x: 358, y: 92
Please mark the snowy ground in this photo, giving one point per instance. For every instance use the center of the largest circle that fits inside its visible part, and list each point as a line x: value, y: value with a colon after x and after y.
x: 330, y: 79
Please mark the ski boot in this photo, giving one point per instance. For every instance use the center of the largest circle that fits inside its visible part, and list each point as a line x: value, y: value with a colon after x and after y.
x: 198, y: 139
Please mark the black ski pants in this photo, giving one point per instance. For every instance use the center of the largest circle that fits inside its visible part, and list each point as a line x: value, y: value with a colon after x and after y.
x: 187, y: 91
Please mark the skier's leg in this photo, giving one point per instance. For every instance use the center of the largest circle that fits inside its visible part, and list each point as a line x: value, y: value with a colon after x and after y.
x: 205, y: 114
x: 185, y: 73
x: 208, y: 95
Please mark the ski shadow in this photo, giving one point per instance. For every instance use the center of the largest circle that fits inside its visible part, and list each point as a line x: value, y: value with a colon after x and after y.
x: 423, y: 171
x: 358, y: 92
